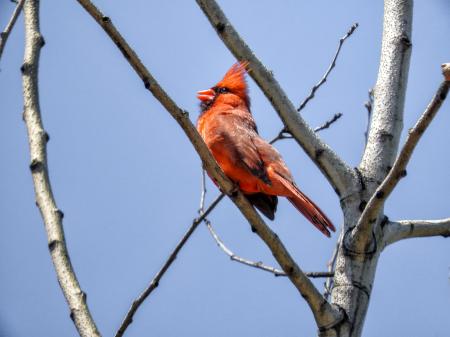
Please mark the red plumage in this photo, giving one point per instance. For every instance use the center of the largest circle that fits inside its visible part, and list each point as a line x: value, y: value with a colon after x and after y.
x: 229, y: 130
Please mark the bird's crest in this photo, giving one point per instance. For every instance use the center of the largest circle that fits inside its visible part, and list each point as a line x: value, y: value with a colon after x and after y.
x: 234, y: 80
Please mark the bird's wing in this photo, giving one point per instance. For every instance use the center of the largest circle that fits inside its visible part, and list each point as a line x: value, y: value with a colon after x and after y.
x: 238, y: 137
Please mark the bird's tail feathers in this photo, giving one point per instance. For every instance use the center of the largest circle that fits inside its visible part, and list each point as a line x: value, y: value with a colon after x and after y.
x: 308, y: 208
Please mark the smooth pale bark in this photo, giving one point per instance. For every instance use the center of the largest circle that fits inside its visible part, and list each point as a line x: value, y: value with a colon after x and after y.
x: 52, y: 216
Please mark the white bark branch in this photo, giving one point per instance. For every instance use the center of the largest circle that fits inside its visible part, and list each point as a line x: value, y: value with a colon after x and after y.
x: 51, y: 215
x: 389, y: 92
x: 324, y: 313
x: 339, y: 174
x: 368, y: 217
x: 5, y: 34
x: 407, y: 229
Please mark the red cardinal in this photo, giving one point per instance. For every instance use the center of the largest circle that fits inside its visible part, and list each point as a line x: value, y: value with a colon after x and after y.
x: 229, y: 130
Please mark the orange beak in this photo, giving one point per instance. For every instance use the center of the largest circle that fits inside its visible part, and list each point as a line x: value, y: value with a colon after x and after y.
x: 206, y: 95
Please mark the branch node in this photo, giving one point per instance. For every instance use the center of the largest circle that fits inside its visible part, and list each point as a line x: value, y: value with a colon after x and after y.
x: 52, y: 245
x: 319, y: 153
x: 59, y: 213
x: 36, y: 165
x: 106, y: 19
x: 41, y: 41
x: 362, y: 205
x: 406, y: 41
x: 220, y: 27
x: 146, y: 83
x: 25, y: 69
x: 379, y: 195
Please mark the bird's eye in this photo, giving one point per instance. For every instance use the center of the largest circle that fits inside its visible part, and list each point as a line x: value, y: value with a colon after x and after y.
x: 222, y: 90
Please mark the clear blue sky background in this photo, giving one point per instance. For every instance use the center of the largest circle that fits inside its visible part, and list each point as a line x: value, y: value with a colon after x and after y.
x: 128, y: 180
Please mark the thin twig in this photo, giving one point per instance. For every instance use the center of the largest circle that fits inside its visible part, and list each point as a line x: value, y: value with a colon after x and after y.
x: 203, y: 193
x: 361, y: 233
x: 330, y: 68
x: 369, y: 106
x: 328, y: 286
x: 52, y: 216
x: 259, y: 264
x: 155, y: 281
x: 284, y: 134
x: 328, y: 123
x: 5, y: 34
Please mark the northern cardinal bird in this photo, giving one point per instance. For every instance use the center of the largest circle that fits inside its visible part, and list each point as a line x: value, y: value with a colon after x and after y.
x: 229, y: 130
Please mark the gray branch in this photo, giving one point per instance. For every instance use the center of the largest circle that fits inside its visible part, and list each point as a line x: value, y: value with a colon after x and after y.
x: 389, y: 92
x: 407, y: 229
x: 398, y: 170
x: 5, y: 34
x: 339, y: 174
x: 52, y: 216
x: 324, y: 313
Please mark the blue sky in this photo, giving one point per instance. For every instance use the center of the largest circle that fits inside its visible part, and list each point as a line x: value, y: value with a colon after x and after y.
x: 128, y: 179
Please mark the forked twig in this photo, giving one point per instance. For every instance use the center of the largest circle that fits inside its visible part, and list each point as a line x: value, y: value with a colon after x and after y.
x: 5, y: 34
x: 284, y: 134
x: 155, y: 281
x: 330, y: 68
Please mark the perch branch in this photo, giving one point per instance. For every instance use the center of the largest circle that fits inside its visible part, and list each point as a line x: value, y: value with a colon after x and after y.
x: 398, y: 170
x: 52, y: 216
x: 339, y: 174
x: 5, y: 34
x: 407, y: 229
x: 330, y: 68
x: 324, y: 313
x: 155, y: 281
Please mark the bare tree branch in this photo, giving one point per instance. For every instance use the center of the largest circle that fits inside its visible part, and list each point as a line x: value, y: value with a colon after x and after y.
x: 407, y: 229
x: 339, y: 174
x: 330, y: 68
x: 329, y: 122
x: 398, y: 170
x: 5, y: 34
x: 259, y: 264
x: 389, y: 92
x: 155, y: 281
x: 52, y: 216
x: 324, y: 313
x: 369, y: 106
